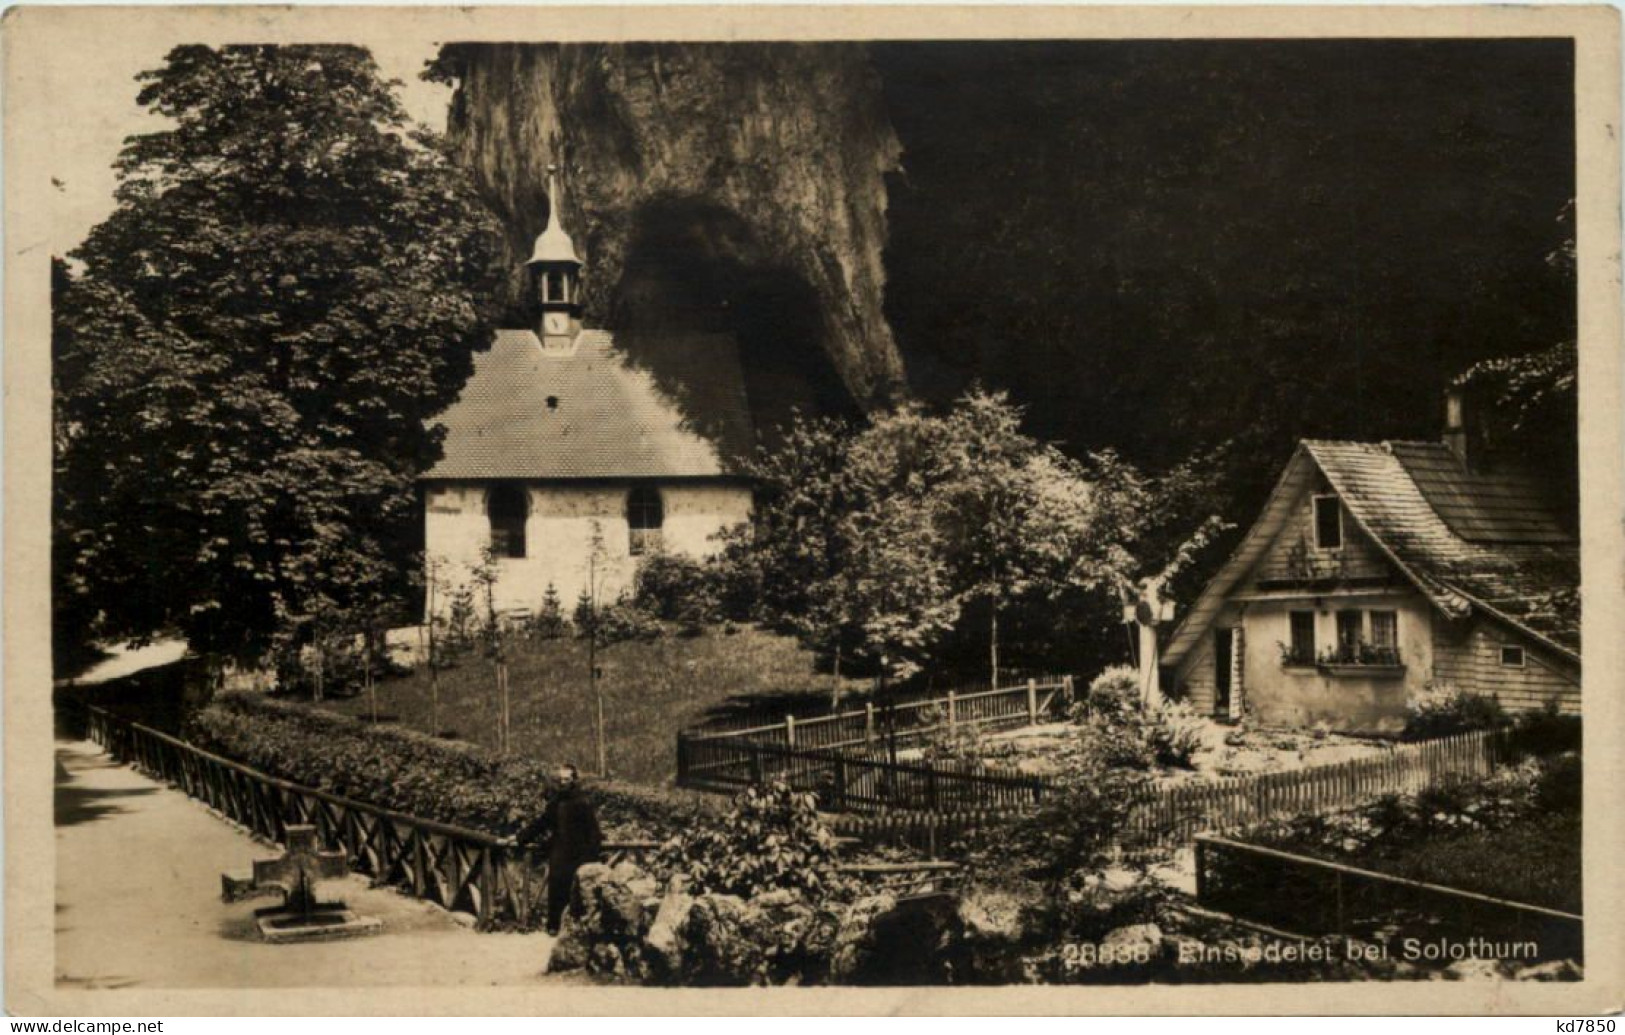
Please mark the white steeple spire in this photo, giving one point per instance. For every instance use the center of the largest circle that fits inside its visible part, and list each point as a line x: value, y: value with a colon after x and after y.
x: 553, y: 244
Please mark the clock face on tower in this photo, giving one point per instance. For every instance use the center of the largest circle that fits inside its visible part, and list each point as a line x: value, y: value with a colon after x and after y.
x: 556, y: 323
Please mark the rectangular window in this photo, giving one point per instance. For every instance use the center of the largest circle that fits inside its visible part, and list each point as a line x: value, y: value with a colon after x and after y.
x: 1512, y: 657
x: 1302, y: 648
x: 1385, y: 630
x: 1328, y: 523
x: 1348, y: 629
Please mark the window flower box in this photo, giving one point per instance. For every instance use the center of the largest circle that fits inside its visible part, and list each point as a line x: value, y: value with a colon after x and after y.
x: 1372, y: 661
x: 1362, y: 671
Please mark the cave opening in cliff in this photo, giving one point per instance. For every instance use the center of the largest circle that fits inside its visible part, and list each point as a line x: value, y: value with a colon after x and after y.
x: 697, y: 269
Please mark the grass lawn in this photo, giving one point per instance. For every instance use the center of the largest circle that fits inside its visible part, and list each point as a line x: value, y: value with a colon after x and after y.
x: 1536, y: 861
x: 651, y: 690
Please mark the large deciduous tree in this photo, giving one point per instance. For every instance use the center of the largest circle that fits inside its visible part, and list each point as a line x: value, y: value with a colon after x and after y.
x: 293, y: 280
x: 898, y: 543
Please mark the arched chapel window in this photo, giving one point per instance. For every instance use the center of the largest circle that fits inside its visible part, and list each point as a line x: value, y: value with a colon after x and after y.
x: 645, y: 514
x: 507, y: 507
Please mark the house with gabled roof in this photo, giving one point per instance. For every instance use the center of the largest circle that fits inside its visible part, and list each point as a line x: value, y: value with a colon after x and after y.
x: 568, y: 460
x: 1378, y: 570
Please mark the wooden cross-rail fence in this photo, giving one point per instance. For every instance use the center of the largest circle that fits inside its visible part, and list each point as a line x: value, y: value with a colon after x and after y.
x: 907, y: 722
x: 1318, y: 896
x: 471, y: 871
x: 502, y: 884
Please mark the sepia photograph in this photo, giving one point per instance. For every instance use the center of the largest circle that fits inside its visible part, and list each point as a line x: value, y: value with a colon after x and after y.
x: 580, y: 504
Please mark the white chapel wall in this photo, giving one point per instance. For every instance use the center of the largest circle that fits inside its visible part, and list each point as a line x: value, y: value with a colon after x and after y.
x: 559, y: 533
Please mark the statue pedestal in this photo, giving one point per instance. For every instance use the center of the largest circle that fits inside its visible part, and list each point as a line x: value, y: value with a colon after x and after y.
x: 302, y: 917
x: 326, y: 921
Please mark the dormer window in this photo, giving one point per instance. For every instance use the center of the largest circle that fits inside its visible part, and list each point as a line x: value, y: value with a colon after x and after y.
x: 1328, y: 523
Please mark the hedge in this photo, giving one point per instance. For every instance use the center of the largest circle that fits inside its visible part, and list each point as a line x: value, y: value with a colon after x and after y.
x: 410, y: 772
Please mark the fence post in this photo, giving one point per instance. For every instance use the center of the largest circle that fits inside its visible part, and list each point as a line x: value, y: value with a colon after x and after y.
x: 1032, y: 702
x: 840, y: 783
x: 868, y: 722
x: 487, y: 886
x: 755, y: 765
x: 790, y: 730
x: 682, y: 759
x: 952, y: 718
x: 1201, y: 871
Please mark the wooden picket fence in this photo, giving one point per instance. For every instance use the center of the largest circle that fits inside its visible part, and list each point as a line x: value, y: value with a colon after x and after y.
x: 1176, y: 814
x: 929, y: 804
x: 461, y: 869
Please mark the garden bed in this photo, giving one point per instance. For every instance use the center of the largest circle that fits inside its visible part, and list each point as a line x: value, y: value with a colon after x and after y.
x: 1513, y: 836
x: 1226, y: 751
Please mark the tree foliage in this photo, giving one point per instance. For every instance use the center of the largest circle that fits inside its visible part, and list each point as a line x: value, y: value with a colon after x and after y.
x: 897, y: 542
x: 292, y: 282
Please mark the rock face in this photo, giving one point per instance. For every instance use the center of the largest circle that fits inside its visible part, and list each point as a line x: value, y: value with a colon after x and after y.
x: 619, y: 929
x: 705, y: 186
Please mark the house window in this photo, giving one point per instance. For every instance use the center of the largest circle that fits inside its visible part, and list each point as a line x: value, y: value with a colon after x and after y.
x: 1349, y: 627
x: 1328, y: 523
x: 507, y: 507
x: 1385, y: 630
x: 645, y: 514
x: 1512, y: 657
x: 1301, y: 651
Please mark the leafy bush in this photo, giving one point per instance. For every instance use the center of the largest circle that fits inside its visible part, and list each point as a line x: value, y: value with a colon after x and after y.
x: 1118, y: 731
x: 1174, y: 734
x: 623, y: 621
x: 1116, y: 691
x: 678, y: 589
x: 619, y: 622
x: 340, y: 665
x: 1393, y: 822
x: 1515, y: 834
x: 1546, y: 732
x: 1444, y: 711
x: 771, y: 840
x: 1115, y: 741
x: 412, y: 773
x: 1074, y: 828
x: 1558, y: 789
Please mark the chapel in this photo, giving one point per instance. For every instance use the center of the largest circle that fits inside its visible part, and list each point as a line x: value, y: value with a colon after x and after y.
x: 570, y: 461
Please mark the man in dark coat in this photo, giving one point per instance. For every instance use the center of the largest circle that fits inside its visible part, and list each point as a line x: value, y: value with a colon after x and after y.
x: 573, y: 839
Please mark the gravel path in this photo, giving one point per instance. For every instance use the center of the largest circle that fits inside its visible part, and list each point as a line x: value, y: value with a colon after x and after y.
x: 138, y: 903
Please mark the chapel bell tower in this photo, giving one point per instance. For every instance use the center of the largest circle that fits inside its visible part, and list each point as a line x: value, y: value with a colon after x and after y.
x: 555, y: 278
